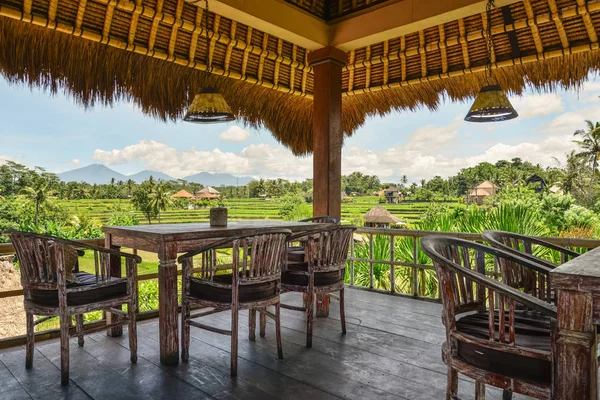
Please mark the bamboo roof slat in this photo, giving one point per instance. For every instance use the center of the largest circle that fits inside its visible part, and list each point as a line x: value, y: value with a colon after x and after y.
x: 556, y: 17
x: 386, y: 63
x: 535, y: 32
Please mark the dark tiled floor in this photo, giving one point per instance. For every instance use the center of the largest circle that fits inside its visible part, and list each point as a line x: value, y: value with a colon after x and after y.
x: 392, y: 351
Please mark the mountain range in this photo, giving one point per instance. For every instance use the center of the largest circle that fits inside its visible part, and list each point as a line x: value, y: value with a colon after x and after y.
x: 101, y: 174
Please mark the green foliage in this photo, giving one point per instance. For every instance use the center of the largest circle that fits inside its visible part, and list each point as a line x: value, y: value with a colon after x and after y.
x: 142, y: 201
x: 293, y: 207
x: 122, y: 219
x: 580, y: 217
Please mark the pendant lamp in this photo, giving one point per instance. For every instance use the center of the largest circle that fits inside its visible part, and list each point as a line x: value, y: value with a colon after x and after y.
x: 209, y: 106
x: 491, y: 104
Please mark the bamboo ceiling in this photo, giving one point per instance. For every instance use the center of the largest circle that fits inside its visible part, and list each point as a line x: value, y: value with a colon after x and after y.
x: 153, y: 52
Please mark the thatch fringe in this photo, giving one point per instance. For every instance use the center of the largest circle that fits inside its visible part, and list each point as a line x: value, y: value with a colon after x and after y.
x: 94, y: 73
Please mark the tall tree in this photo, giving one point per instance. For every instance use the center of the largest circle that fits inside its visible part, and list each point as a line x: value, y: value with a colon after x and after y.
x: 38, y: 193
x: 160, y: 199
x: 590, y: 149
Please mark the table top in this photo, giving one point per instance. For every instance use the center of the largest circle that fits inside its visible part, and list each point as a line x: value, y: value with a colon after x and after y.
x: 194, y: 231
x: 580, y: 271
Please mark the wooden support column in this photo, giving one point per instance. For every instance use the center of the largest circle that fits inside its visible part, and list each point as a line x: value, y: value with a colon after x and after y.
x: 327, y: 64
x: 115, y: 271
x: 328, y: 137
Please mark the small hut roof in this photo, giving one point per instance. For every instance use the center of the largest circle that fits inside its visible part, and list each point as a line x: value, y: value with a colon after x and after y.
x: 153, y: 54
x: 380, y: 215
x: 486, y: 185
x: 391, y: 189
x: 209, y: 189
x: 183, y: 194
x: 479, y: 192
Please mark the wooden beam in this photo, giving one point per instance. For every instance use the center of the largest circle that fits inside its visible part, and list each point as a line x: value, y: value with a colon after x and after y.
x: 327, y: 66
x: 401, y: 18
x: 274, y: 17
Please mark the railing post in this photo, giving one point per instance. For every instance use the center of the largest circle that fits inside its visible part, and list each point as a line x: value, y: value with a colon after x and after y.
x: 371, y: 261
x: 392, y: 266
x: 415, y: 262
x: 352, y: 260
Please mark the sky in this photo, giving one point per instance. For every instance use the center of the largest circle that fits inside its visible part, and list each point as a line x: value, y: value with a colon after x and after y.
x: 53, y: 132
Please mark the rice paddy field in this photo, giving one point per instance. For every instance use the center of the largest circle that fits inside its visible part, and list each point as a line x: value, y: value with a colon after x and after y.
x: 241, y: 209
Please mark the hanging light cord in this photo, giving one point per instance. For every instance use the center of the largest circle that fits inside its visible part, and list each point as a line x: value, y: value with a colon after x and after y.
x: 488, y: 12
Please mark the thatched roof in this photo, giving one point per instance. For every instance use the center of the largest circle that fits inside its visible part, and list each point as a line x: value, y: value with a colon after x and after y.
x: 209, y: 189
x: 379, y: 215
x: 152, y: 53
x: 208, y: 193
x: 480, y: 193
x: 183, y: 194
x: 486, y: 185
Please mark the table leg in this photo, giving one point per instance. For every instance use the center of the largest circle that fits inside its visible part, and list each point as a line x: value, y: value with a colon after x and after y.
x: 576, y: 368
x: 115, y: 271
x: 167, y: 303
x: 322, y: 305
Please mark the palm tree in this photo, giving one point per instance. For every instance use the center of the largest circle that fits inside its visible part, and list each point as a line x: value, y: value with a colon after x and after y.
x: 590, y: 149
x: 38, y: 192
x: 130, y: 184
x: 160, y: 198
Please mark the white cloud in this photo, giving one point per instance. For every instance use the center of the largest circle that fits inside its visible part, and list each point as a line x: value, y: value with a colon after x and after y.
x: 535, y: 105
x: 235, y: 134
x: 4, y: 159
x: 75, y: 162
x: 570, y: 121
x: 419, y: 158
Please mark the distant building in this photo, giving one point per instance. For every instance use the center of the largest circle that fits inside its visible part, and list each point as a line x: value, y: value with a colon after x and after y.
x: 344, y: 196
x: 183, y: 194
x: 379, y: 193
x: 482, y: 191
x: 556, y: 190
x: 209, y: 193
x: 392, y: 195
x: 379, y: 217
x: 537, y: 182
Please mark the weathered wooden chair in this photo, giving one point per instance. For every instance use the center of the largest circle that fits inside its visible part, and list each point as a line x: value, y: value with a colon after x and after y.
x: 323, y: 219
x: 317, y: 270
x: 51, y: 288
x: 495, y: 333
x: 254, y: 283
x: 535, y: 283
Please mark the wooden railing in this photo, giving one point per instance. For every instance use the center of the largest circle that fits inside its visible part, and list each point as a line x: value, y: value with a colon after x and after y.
x: 369, y: 233
x: 393, y: 262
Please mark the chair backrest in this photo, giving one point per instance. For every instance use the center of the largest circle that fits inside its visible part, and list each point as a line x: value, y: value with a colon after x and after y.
x: 328, y: 247
x: 461, y: 266
x: 323, y: 219
x: 256, y: 258
x: 530, y: 248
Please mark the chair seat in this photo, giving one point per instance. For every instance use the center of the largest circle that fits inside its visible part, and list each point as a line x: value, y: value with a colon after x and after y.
x: 114, y: 287
x: 248, y: 293
x: 532, y: 331
x: 321, y: 278
x: 295, y: 254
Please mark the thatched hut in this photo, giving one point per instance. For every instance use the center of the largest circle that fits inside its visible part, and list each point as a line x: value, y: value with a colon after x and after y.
x: 379, y: 217
x: 481, y: 191
x: 183, y: 194
x: 208, y: 193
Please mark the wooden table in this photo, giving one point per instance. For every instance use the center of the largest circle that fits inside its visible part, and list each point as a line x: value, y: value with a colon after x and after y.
x: 577, y: 286
x: 167, y: 240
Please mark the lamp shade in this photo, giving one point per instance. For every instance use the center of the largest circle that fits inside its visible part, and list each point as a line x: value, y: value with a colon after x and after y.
x: 209, y: 107
x: 491, y: 105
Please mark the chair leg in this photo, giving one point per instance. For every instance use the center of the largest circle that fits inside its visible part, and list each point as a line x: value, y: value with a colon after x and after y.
x: 30, y: 341
x: 507, y: 395
x: 342, y: 312
x: 263, y: 324
x: 79, y: 327
x: 479, y: 390
x: 309, y: 317
x: 185, y: 331
x: 234, y: 341
x: 278, y: 330
x: 65, y: 321
x: 452, y: 389
x: 252, y: 324
x: 132, y: 332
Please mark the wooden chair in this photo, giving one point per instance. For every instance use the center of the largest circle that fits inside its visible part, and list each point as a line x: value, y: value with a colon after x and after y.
x: 45, y: 263
x: 495, y: 333
x: 317, y: 270
x: 253, y: 283
x: 323, y: 219
x: 529, y: 248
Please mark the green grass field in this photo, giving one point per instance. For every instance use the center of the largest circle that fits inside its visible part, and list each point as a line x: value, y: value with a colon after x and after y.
x: 239, y: 209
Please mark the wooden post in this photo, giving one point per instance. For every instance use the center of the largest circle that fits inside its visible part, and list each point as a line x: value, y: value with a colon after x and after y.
x: 167, y: 303
x: 327, y: 64
x: 115, y: 271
